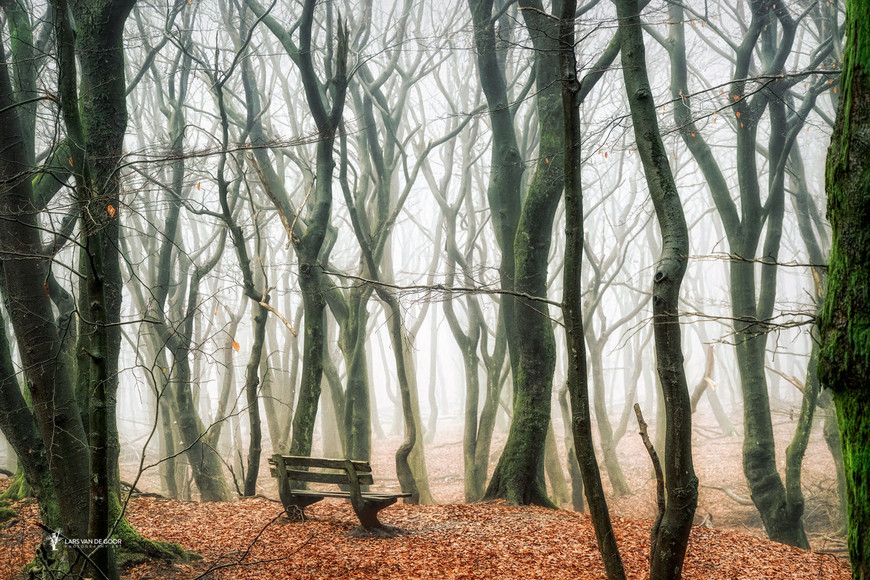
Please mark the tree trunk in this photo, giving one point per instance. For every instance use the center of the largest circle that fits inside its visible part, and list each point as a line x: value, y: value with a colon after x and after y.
x: 404, y: 472
x: 357, y: 410
x: 309, y: 244
x: 506, y: 177
x: 553, y: 469
x: 573, y: 465
x: 743, y: 228
x: 519, y: 475
x: 497, y: 371
x: 18, y: 426
x: 572, y: 309
x: 51, y: 388
x: 333, y: 408
x: 432, y: 420
x: 252, y: 382
x: 844, y: 363
x: 271, y: 399
x: 671, y: 530
x: 605, y: 431
x: 832, y: 439
x: 198, y: 446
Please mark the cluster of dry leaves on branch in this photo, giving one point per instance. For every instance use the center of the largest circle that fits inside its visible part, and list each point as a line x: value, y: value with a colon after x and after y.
x: 253, y: 539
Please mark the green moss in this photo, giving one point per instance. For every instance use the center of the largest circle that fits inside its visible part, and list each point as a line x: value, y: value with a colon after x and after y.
x: 135, y: 548
x: 6, y: 514
x: 17, y: 490
x: 855, y: 431
x: 845, y: 319
x: 856, y: 60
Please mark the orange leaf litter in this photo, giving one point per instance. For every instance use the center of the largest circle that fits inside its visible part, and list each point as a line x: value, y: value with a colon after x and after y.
x: 252, y: 539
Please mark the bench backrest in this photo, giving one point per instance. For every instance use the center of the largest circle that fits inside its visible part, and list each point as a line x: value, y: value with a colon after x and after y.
x: 318, y: 470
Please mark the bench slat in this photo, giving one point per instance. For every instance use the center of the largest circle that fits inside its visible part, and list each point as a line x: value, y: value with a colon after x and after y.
x: 346, y: 494
x: 297, y: 461
x: 315, y: 493
x: 318, y: 477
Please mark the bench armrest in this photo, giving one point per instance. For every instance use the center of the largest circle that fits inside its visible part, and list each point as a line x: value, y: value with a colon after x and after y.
x: 353, y: 479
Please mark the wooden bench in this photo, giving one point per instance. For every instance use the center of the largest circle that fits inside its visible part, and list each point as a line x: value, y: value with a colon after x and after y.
x: 292, y: 470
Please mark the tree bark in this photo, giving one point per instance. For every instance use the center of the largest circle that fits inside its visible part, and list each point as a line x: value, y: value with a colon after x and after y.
x: 671, y: 537
x: 519, y: 475
x: 572, y: 310
x: 769, y: 35
x: 506, y: 177
x: 844, y: 324
x: 19, y: 428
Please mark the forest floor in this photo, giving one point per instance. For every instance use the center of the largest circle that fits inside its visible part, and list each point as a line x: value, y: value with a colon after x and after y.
x: 252, y: 538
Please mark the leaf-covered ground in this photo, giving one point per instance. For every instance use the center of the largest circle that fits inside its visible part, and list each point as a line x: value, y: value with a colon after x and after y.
x: 252, y: 539
x: 490, y: 540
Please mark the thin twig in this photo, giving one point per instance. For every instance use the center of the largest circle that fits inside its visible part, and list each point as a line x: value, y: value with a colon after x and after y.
x: 660, y: 479
x: 286, y: 322
x: 444, y: 289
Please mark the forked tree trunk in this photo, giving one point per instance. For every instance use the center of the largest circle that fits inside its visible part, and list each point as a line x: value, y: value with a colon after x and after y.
x: 519, y: 475
x: 771, y: 31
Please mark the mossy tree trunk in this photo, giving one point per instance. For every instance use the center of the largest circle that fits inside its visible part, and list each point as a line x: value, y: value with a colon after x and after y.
x: 814, y: 234
x: 845, y: 319
x: 27, y: 266
x: 507, y: 169
x: 357, y: 420
x: 519, y: 475
x: 19, y: 427
x: 92, y: 103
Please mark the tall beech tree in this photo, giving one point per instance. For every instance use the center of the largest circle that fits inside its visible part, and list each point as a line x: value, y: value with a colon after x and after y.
x: 18, y: 87
x: 572, y: 309
x: 845, y: 319
x: 507, y: 169
x: 671, y: 530
x: 326, y: 103
x: 753, y: 224
x: 519, y: 475
x: 73, y: 397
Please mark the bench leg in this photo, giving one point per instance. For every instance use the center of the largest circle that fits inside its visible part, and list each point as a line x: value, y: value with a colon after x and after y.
x: 367, y: 512
x: 295, y: 506
x: 368, y: 517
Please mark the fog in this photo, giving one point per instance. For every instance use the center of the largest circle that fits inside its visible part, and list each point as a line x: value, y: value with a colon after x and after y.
x: 411, y: 175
